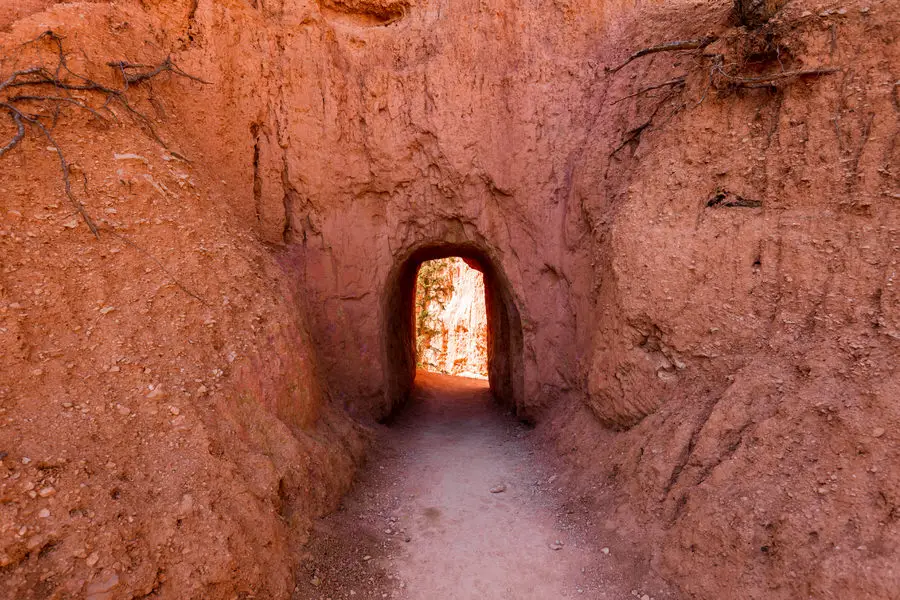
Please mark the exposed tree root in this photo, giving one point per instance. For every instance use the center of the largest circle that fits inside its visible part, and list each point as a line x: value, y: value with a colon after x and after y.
x: 633, y: 136
x: 147, y: 72
x: 159, y: 264
x: 666, y: 47
x: 717, y: 77
x: 677, y: 82
x: 770, y: 79
x: 26, y: 95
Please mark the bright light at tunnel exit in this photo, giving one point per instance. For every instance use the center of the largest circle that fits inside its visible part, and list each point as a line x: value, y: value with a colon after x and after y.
x: 451, y: 319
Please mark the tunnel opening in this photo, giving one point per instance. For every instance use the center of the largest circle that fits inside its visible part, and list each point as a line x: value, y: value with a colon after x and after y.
x: 503, y: 329
x: 451, y: 318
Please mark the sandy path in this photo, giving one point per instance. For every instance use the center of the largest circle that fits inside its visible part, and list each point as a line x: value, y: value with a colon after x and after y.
x: 467, y: 542
x: 422, y: 522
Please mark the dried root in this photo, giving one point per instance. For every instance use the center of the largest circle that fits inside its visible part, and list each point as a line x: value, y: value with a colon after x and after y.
x: 678, y: 82
x: 770, y: 79
x: 763, y: 51
x: 633, y: 136
x: 697, y: 44
x: 28, y: 95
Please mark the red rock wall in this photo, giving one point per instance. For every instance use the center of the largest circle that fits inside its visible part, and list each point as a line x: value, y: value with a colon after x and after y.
x: 163, y: 426
x: 704, y: 276
x: 743, y: 340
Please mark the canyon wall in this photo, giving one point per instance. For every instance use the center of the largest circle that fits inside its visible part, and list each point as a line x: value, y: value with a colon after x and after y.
x: 163, y: 426
x: 746, y: 243
x: 701, y: 247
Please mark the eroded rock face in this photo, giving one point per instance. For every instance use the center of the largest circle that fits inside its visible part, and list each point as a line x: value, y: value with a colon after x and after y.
x: 701, y: 260
x: 719, y: 336
x: 163, y: 427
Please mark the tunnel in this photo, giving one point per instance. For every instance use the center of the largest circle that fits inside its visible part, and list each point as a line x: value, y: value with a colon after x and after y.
x: 504, y: 327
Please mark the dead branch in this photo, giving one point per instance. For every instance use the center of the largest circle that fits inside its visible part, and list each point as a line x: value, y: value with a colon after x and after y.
x: 49, y: 88
x: 677, y: 82
x: 666, y: 47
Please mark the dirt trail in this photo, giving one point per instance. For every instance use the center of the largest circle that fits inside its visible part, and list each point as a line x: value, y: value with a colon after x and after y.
x: 423, y: 523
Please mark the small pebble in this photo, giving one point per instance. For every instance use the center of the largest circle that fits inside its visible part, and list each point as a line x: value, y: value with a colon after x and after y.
x: 497, y: 489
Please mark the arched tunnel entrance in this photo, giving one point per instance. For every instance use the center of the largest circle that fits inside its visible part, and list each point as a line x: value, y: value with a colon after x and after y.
x: 504, y: 327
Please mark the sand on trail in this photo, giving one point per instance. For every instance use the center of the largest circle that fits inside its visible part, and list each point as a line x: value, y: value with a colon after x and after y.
x: 426, y: 520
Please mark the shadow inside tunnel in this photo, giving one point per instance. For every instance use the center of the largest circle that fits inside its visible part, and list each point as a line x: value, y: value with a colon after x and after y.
x: 449, y: 400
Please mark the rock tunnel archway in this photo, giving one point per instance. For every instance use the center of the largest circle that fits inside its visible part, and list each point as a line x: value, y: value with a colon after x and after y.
x: 504, y: 327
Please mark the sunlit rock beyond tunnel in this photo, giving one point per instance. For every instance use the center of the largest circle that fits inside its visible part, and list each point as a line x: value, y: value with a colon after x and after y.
x: 449, y: 299
x: 451, y: 319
